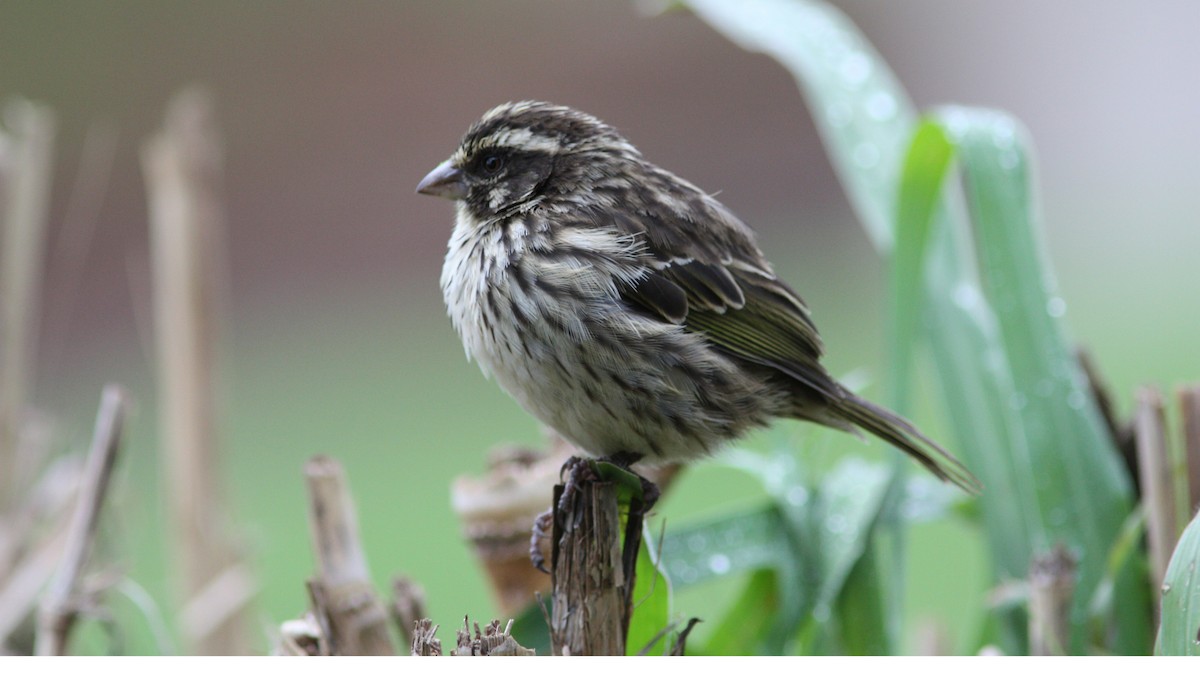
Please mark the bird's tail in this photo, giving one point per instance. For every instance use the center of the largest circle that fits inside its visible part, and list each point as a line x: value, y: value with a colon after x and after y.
x: 900, y: 433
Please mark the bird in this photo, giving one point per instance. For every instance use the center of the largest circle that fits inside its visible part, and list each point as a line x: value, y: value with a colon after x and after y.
x: 626, y: 308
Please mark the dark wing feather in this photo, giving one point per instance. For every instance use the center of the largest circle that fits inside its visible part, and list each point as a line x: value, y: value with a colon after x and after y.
x: 661, y: 297
x: 732, y: 295
x: 709, y: 276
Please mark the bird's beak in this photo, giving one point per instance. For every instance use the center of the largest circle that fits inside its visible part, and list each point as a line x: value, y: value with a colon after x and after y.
x: 444, y: 181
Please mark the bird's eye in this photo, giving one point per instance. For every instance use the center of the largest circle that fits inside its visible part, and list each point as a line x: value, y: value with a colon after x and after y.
x: 493, y: 163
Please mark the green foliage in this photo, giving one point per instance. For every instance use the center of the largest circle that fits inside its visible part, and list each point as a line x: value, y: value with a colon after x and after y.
x: 651, y: 606
x: 970, y: 280
x: 1061, y: 461
x: 1179, y: 634
x: 807, y: 549
x: 924, y: 170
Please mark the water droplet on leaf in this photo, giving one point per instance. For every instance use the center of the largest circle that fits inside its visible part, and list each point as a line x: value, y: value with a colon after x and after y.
x: 881, y: 106
x: 719, y: 563
x: 797, y: 495
x: 1056, y: 307
x: 855, y: 69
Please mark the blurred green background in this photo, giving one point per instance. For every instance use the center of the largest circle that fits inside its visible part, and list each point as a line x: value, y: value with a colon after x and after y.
x: 338, y: 341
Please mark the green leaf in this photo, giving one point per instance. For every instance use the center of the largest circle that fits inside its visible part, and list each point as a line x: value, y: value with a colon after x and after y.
x: 848, y: 507
x: 651, y: 603
x: 813, y: 537
x: 729, y: 544
x: 741, y: 630
x: 850, y: 502
x: 1179, y: 633
x: 861, y: 609
x: 1063, y: 467
x: 864, y: 116
x: 925, y: 167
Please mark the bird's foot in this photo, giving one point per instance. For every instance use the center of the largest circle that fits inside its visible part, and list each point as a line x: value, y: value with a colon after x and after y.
x: 575, y: 471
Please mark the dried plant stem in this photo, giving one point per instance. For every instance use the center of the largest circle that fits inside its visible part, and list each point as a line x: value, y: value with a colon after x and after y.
x: 342, y: 592
x: 424, y: 639
x: 1051, y: 586
x: 18, y: 596
x: 26, y: 151
x: 590, y: 593
x: 407, y: 606
x: 1158, y: 493
x: 61, y: 601
x: 183, y: 173
x: 1189, y: 408
x: 491, y: 641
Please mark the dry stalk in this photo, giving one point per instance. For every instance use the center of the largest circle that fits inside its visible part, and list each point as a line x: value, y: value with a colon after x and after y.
x: 35, y: 537
x: 1189, y: 408
x: 62, y: 599
x: 491, y: 641
x: 407, y: 606
x: 1157, y: 483
x: 497, y: 511
x: 26, y: 151
x: 1051, y: 585
x: 19, y: 595
x: 342, y: 592
x: 424, y: 640
x: 182, y: 164
x: 1121, y: 431
x: 589, y: 576
x: 302, y: 637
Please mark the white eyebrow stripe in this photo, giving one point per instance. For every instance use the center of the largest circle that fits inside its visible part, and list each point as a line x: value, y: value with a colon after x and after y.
x: 524, y: 139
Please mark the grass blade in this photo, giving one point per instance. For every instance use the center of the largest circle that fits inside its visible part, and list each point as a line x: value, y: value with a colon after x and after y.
x: 925, y: 167
x: 1076, y: 490
x: 864, y: 115
x: 1179, y: 634
x: 741, y: 630
x: 651, y: 604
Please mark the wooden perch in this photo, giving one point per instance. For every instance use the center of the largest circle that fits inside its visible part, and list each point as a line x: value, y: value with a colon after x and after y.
x: 62, y: 599
x: 498, y: 509
x: 1051, y: 586
x: 182, y: 166
x: 342, y: 592
x: 592, y: 576
x: 1158, y: 488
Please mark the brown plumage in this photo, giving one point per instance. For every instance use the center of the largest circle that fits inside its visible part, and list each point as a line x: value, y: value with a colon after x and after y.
x: 625, y: 307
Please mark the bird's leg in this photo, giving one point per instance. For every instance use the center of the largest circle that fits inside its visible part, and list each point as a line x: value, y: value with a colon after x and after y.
x: 543, y: 528
x: 650, y: 491
x: 574, y: 471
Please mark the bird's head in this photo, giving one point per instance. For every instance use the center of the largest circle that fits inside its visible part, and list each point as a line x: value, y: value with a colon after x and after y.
x: 521, y: 152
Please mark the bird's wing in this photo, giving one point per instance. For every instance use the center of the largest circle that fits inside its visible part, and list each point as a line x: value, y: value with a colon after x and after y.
x: 712, y: 279
x: 708, y: 276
